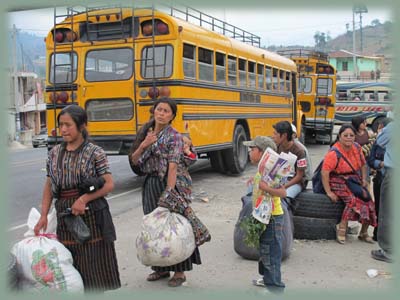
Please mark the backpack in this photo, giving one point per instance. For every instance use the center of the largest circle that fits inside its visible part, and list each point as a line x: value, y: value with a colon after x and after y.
x: 317, y: 185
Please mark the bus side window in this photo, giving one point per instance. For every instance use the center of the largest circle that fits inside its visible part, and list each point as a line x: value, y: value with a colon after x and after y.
x: 242, y: 72
x: 282, y: 80
x: 206, y: 64
x: 232, y: 72
x: 252, y: 74
x: 288, y: 86
x: 268, y: 78
x: 189, y: 61
x: 220, y: 67
x: 260, y: 76
x: 275, y: 79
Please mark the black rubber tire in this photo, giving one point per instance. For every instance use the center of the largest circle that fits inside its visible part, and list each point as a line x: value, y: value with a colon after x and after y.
x: 35, y: 146
x: 318, y: 206
x: 236, y: 158
x: 217, y: 161
x: 314, y: 228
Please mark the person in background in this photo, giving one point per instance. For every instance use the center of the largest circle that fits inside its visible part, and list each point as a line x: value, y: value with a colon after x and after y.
x: 363, y: 138
x: 375, y: 162
x: 360, y: 125
x: 283, y: 138
x: 67, y: 164
x: 309, y: 171
x: 159, y: 154
x: 336, y: 171
x: 269, y: 264
x: 386, y: 215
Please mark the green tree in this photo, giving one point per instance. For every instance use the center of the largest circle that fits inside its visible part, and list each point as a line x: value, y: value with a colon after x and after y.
x: 375, y: 22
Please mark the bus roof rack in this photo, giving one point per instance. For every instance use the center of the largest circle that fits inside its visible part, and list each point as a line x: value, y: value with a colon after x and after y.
x: 197, y: 17
x: 310, y: 54
x: 190, y: 15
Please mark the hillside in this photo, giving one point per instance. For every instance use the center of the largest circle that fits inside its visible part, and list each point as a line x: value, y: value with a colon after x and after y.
x: 31, y: 51
x: 376, y: 40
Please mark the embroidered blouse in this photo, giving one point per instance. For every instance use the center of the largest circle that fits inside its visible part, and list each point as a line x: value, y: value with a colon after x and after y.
x: 354, y: 156
x: 168, y: 149
x: 88, y: 160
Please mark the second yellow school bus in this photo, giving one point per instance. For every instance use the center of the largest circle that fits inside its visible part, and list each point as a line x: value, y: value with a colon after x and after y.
x: 316, y: 93
x: 117, y: 62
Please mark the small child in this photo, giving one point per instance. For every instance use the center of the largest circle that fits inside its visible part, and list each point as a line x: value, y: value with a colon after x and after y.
x: 188, y: 150
x: 189, y: 157
x: 269, y: 264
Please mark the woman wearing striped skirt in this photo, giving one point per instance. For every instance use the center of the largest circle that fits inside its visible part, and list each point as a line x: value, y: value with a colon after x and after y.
x: 68, y: 164
x: 158, y: 151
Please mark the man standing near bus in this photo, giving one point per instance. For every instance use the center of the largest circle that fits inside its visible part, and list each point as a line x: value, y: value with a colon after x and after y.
x: 283, y: 138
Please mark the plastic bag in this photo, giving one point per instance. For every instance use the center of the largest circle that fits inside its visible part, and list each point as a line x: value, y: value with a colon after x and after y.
x: 44, y: 263
x: 165, y: 240
x: 75, y: 224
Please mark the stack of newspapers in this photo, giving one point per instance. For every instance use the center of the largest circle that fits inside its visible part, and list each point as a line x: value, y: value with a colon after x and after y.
x: 276, y: 168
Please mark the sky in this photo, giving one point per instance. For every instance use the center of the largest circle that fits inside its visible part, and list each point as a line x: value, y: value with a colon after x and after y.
x: 275, y: 27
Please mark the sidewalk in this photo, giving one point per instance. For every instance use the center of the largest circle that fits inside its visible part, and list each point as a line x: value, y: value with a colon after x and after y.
x: 312, y: 266
x: 14, y: 145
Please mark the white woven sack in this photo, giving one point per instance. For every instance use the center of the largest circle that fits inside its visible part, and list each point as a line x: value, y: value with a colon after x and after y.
x: 43, y: 262
x: 166, y: 239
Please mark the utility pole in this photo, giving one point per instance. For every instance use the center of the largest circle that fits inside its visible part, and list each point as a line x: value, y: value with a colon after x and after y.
x: 354, y: 47
x: 360, y: 9
x: 15, y: 75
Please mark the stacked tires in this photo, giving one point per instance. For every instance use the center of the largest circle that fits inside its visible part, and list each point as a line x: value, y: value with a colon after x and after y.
x: 316, y: 216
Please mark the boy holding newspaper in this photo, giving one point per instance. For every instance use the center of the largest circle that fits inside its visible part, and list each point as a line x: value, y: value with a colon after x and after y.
x: 268, y: 190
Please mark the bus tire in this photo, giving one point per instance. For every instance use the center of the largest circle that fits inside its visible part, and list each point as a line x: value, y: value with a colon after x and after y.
x: 217, y: 161
x: 314, y: 228
x: 313, y: 205
x: 236, y: 158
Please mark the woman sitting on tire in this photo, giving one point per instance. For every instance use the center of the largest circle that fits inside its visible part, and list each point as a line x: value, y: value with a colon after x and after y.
x: 336, y: 172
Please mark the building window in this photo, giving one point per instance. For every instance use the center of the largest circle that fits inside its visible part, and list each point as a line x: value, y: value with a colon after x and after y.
x: 345, y: 66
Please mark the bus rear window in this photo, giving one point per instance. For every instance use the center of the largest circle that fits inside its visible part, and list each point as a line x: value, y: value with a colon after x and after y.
x: 64, y: 67
x: 109, y: 110
x: 157, y: 63
x: 104, y: 31
x: 109, y: 65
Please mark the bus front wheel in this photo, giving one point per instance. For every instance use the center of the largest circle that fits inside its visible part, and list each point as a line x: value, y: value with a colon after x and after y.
x: 236, y: 157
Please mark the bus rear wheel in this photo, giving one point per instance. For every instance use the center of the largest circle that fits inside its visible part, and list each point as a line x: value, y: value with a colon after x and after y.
x: 236, y: 157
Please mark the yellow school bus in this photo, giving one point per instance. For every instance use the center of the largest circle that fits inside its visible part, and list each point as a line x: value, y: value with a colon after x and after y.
x: 117, y: 62
x: 316, y: 93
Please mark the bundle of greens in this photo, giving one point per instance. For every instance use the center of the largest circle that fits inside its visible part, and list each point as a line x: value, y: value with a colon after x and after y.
x: 253, y: 230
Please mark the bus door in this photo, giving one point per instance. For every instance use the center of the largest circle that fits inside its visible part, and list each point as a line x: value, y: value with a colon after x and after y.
x: 108, y: 97
x: 322, y: 120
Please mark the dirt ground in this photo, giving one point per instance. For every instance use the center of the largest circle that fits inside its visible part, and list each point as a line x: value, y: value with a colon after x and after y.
x: 316, y: 266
